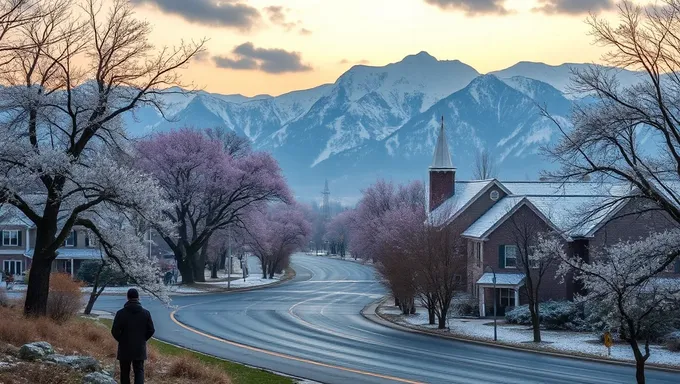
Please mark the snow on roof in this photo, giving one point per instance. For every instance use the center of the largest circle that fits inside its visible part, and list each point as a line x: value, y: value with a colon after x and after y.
x: 574, y: 216
x: 465, y: 193
x: 479, y: 228
x: 65, y: 253
x: 9, y: 215
x: 543, y: 188
x: 513, y: 279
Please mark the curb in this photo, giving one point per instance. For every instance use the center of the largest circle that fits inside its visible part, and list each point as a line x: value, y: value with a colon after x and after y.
x: 370, y: 312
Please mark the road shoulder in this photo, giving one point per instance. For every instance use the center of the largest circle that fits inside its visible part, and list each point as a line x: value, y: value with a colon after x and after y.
x: 371, y: 312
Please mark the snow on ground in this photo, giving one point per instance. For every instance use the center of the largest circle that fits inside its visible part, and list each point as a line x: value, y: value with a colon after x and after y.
x: 250, y: 281
x: 522, y: 336
x: 122, y: 289
x: 348, y: 257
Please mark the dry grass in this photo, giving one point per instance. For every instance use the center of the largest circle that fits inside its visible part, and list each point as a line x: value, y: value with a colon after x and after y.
x: 191, y: 370
x: 86, y: 337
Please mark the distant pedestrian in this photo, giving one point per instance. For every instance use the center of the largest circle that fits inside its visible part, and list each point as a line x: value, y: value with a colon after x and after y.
x: 132, y: 328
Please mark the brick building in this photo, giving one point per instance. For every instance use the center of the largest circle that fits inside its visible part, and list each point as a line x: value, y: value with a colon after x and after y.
x: 487, y: 214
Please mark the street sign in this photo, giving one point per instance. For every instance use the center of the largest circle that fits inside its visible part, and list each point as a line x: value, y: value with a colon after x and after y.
x: 608, y: 342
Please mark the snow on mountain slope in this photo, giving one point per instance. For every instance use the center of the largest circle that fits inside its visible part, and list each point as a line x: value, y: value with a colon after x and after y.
x: 560, y: 76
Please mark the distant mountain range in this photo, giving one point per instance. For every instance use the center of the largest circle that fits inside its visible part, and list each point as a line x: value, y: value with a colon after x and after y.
x: 382, y: 121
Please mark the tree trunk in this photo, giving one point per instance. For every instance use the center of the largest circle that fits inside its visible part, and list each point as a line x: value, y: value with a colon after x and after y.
x: 264, y: 269
x: 199, y: 264
x: 430, y: 314
x: 186, y: 270
x: 639, y: 360
x: 396, y: 302
x: 213, y: 273
x: 442, y: 318
x: 535, y: 321
x: 38, y: 285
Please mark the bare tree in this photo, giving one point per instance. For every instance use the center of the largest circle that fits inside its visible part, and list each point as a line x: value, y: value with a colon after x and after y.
x: 608, y: 138
x: 485, y: 166
x: 74, y: 71
x: 234, y: 144
x: 538, y: 252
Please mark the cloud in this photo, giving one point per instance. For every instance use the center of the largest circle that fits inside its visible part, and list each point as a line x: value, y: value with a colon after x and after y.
x: 274, y: 60
x: 472, y: 7
x: 220, y: 13
x: 201, y: 56
x: 278, y: 15
x: 574, y: 7
x: 346, y: 61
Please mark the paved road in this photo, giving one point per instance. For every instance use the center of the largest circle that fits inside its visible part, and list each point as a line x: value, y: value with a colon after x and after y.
x: 311, y: 327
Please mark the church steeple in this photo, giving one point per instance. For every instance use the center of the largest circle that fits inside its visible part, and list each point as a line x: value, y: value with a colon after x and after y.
x: 442, y: 157
x: 442, y: 172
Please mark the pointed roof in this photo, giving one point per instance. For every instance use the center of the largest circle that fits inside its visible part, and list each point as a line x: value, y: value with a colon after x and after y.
x: 442, y: 157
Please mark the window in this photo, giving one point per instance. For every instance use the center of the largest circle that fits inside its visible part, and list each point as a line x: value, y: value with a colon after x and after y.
x: 506, y: 297
x: 13, y: 267
x: 10, y: 238
x: 510, y: 256
x: 494, y: 195
x: 71, y: 240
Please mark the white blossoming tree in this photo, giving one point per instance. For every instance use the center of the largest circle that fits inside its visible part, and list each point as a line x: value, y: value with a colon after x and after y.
x: 623, y: 279
x: 70, y: 74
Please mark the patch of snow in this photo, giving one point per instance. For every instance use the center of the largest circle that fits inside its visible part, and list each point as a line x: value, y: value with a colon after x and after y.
x: 522, y: 336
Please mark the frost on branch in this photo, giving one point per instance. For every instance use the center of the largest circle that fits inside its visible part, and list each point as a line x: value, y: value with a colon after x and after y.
x: 624, y: 280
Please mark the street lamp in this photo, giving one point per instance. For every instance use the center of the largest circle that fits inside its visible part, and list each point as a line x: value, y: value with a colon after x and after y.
x: 493, y: 280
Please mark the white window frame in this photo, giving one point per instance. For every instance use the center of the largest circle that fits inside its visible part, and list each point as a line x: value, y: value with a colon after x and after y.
x: 506, y: 299
x: 515, y: 252
x: 7, y: 238
x: 6, y: 266
x: 70, y: 237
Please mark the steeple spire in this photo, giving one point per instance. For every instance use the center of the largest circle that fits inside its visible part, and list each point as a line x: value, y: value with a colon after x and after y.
x: 442, y: 157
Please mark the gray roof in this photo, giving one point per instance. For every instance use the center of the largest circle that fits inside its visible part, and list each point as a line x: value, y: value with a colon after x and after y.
x: 512, y: 279
x: 442, y: 157
x: 67, y: 253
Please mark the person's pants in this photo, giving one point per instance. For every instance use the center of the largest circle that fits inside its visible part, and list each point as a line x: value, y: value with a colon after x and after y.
x: 137, y: 367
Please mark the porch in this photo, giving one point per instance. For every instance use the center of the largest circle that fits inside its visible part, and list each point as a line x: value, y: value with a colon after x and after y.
x: 507, y: 292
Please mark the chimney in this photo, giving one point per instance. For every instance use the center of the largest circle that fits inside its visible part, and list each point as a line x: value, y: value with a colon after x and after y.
x: 442, y: 172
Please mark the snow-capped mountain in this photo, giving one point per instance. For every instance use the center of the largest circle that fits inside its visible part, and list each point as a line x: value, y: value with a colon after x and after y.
x: 382, y: 121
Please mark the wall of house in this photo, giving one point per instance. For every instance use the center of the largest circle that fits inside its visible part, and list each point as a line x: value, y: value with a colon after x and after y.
x: 462, y: 222
x: 631, y: 223
x: 14, y: 253
x: 505, y: 234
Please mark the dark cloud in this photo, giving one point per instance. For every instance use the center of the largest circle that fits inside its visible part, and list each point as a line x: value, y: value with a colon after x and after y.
x: 275, y: 60
x: 574, y: 7
x: 472, y: 7
x: 229, y: 13
x: 241, y: 63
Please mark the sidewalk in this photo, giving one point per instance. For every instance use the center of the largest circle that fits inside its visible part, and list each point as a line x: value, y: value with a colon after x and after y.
x: 574, y: 344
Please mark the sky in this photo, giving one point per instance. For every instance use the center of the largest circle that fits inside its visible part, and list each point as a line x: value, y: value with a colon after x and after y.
x: 276, y: 46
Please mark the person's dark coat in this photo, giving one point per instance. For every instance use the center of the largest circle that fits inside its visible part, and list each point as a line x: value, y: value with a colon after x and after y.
x: 132, y: 327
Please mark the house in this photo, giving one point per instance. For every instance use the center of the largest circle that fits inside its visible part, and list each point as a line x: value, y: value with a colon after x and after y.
x: 486, y: 216
x: 17, y: 243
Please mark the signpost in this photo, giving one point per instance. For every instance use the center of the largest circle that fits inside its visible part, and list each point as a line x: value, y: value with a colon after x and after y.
x: 608, y: 342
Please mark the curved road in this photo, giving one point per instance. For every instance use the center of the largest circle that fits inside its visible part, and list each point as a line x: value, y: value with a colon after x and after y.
x: 312, y: 328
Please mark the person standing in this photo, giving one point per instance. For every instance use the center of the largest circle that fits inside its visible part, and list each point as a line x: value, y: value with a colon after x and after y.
x: 132, y: 328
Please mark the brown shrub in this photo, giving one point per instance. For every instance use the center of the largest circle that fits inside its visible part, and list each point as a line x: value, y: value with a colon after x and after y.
x: 73, y: 336
x: 36, y: 373
x: 65, y: 298
x: 189, y: 368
